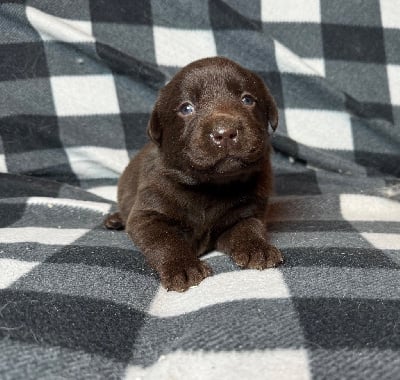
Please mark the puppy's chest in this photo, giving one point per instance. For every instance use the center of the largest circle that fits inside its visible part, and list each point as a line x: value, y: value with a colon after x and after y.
x: 207, y: 214
x: 201, y: 215
x: 206, y: 219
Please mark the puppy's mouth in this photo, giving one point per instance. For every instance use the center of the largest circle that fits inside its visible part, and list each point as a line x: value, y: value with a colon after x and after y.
x: 227, y: 168
x: 229, y: 165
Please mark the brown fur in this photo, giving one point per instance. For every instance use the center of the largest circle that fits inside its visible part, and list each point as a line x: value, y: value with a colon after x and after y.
x: 203, y: 180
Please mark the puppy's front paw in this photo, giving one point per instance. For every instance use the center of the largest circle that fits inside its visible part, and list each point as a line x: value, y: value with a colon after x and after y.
x: 261, y: 257
x: 180, y: 277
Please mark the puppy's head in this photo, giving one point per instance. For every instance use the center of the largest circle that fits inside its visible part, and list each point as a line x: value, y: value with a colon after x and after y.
x: 211, y: 121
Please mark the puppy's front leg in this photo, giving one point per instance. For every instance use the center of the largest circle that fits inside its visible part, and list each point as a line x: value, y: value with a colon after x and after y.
x: 246, y: 243
x: 166, y: 251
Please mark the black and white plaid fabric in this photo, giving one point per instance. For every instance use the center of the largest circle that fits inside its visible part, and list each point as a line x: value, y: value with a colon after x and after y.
x: 78, y: 80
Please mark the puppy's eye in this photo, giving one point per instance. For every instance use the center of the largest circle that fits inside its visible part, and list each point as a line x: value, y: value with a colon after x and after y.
x: 248, y: 100
x: 186, y: 109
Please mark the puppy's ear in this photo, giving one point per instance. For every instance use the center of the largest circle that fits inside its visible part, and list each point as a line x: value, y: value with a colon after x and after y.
x: 272, y: 110
x: 154, y: 129
x: 268, y: 104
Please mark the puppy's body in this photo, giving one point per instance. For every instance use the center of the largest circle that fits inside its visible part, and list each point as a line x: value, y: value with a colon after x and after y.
x: 204, y: 179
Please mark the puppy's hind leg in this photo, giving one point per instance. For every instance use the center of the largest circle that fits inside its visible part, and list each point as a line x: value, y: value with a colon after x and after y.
x: 114, y: 222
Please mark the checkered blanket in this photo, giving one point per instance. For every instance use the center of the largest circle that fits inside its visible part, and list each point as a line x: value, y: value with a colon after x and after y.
x: 78, y: 80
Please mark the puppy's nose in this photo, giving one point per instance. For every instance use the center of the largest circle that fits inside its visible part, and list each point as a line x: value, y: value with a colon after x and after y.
x: 224, y: 135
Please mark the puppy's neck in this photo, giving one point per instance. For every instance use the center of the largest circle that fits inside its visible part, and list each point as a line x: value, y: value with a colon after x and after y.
x: 213, y: 184
x: 227, y: 188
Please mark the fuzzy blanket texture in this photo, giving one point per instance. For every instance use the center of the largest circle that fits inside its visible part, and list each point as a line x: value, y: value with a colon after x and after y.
x: 78, y: 80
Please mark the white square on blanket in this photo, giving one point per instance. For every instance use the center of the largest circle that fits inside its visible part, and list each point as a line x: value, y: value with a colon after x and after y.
x: 56, y: 28
x: 289, y: 62
x: 11, y: 270
x: 84, y: 95
x: 390, y: 14
x: 393, y: 72
x: 90, y: 162
x: 3, y: 165
x: 290, y: 11
x: 179, y: 47
x: 261, y: 364
x: 320, y: 128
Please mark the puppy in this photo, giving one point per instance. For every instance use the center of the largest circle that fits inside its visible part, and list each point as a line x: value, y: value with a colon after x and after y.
x: 203, y: 180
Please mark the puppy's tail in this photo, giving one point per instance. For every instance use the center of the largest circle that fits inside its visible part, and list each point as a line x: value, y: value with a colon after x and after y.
x: 114, y: 222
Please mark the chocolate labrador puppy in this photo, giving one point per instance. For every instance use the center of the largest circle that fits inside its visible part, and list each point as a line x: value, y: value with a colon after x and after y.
x: 203, y: 180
